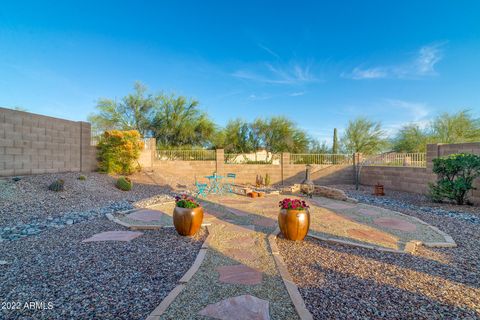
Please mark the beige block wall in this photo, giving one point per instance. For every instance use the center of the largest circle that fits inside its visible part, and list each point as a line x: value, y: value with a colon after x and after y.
x: 416, y: 179
x: 32, y: 144
x: 247, y: 173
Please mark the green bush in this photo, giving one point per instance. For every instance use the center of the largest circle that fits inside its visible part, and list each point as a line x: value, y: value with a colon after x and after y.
x: 456, y: 174
x: 82, y: 177
x: 123, y: 183
x: 57, y: 185
x: 119, y: 151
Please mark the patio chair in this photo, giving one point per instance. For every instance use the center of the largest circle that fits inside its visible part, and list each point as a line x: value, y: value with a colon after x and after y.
x: 201, y: 189
x: 229, y: 182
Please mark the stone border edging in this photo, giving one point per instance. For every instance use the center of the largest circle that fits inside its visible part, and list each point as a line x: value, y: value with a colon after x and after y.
x: 292, y: 288
x: 167, y: 301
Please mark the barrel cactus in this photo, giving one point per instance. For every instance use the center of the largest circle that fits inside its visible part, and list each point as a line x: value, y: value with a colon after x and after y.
x: 57, y: 185
x: 123, y: 183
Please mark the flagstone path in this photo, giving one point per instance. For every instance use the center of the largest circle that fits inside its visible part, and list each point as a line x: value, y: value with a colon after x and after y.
x: 239, y: 278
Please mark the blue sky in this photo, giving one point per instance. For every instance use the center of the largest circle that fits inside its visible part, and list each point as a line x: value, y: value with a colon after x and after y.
x: 320, y: 63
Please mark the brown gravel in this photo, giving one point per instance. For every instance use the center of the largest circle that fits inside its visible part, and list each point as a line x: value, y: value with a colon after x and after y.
x: 339, y: 282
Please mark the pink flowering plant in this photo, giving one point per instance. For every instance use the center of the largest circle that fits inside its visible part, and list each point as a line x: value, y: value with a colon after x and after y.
x: 294, y: 204
x: 186, y: 201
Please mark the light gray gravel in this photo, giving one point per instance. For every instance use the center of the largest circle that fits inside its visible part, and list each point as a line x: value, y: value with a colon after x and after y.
x: 339, y: 282
x: 29, y: 198
x: 96, y: 280
x: 28, y: 208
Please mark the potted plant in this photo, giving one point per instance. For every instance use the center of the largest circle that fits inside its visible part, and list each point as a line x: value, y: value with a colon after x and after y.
x: 187, y: 215
x: 294, y: 218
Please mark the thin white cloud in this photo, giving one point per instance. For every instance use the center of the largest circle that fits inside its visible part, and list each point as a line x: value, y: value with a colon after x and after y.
x: 254, y: 97
x: 268, y: 50
x: 372, y: 73
x: 297, y: 94
x: 422, y: 65
x: 291, y: 74
x: 417, y: 110
x: 428, y: 57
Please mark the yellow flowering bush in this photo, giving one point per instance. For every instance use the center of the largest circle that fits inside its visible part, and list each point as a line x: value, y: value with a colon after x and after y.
x: 119, y: 151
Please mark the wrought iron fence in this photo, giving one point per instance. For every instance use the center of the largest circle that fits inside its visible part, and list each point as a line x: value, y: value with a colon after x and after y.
x: 393, y: 159
x: 252, y: 158
x: 187, y: 155
x: 310, y: 158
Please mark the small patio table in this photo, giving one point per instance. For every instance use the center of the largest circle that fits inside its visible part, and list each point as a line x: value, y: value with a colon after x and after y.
x: 215, y: 183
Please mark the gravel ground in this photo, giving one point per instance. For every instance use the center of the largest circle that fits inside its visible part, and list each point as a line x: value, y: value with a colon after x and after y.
x: 28, y: 208
x: 29, y: 198
x: 340, y: 282
x: 96, y: 280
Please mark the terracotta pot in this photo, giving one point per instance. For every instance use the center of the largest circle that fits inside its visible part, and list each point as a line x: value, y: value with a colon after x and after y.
x: 253, y: 194
x: 261, y: 194
x: 187, y: 221
x: 294, y: 224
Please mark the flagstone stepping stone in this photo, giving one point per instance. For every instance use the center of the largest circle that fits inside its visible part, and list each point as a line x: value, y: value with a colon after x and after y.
x: 369, y: 212
x: 146, y: 215
x: 394, y: 223
x: 244, y: 307
x: 371, y: 235
x: 243, y: 254
x: 239, y: 274
x: 265, y: 222
x: 114, y: 236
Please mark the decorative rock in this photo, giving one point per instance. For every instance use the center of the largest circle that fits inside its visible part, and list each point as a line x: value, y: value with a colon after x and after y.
x: 239, y: 274
x: 331, y: 193
x: 114, y: 236
x: 69, y: 221
x: 245, y: 307
x: 3, y: 262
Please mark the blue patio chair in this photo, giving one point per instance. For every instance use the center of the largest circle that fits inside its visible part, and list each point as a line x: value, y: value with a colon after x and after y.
x: 229, y: 182
x: 201, y: 189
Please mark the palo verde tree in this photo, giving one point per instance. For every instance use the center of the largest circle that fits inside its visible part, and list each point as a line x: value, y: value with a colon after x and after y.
x: 179, y: 123
x: 365, y: 136
x: 133, y: 112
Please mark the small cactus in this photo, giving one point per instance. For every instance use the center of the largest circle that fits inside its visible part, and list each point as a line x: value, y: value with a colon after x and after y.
x: 57, y: 185
x: 82, y: 177
x: 123, y: 183
x: 267, y: 180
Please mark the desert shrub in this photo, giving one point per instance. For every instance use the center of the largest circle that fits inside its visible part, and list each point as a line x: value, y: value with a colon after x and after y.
x: 57, y: 185
x: 82, y: 177
x: 456, y: 174
x: 119, y: 151
x: 124, y: 184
